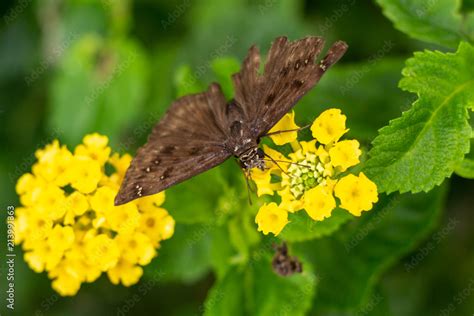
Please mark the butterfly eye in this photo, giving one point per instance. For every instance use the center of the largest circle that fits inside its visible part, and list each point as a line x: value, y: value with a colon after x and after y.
x: 260, y: 153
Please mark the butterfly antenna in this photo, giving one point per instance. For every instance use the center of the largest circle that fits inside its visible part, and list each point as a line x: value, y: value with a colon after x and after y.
x: 284, y: 161
x: 287, y: 131
x: 276, y: 163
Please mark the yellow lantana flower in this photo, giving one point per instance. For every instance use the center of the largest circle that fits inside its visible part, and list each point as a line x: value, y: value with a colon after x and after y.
x: 357, y: 194
x: 95, y: 147
x: 125, y: 272
x: 287, y: 123
x: 69, y: 226
x: 319, y: 202
x: 271, y: 219
x: 309, y: 177
x: 345, y: 154
x: 329, y: 126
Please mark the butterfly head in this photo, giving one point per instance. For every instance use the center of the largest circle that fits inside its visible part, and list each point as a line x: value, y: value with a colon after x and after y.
x: 252, y: 158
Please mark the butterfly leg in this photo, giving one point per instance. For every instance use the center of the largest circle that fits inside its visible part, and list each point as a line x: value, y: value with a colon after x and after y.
x: 247, y: 176
x: 287, y: 131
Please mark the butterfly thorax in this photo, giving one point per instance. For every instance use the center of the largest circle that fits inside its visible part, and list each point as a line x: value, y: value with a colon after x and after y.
x: 252, y: 158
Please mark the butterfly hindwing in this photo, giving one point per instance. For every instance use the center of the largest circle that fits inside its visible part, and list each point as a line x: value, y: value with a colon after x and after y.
x: 187, y: 141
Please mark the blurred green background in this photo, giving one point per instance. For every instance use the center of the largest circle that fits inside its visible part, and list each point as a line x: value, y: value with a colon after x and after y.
x: 68, y: 68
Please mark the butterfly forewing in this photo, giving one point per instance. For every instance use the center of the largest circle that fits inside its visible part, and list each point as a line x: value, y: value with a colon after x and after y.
x: 290, y: 72
x: 188, y: 140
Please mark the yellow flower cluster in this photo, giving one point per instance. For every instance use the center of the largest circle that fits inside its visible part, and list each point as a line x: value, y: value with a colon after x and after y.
x: 312, y: 174
x: 68, y: 224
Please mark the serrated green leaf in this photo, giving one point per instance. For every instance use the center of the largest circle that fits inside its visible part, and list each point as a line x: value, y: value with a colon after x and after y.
x: 466, y: 169
x: 302, y: 227
x: 439, y: 22
x: 183, y: 257
x: 421, y: 148
x: 351, y: 261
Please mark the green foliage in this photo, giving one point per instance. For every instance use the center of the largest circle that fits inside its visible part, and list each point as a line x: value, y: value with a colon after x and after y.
x: 257, y: 290
x: 439, y: 22
x: 351, y: 262
x: 302, y: 227
x: 104, y: 82
x: 224, y: 68
x: 420, y: 149
x: 193, y: 201
x: 465, y: 169
x: 166, y: 50
x: 188, y: 264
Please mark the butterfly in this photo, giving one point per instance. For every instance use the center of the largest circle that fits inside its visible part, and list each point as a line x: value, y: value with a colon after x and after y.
x: 200, y: 131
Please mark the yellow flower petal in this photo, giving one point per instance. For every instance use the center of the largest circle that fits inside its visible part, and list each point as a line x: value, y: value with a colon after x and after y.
x: 275, y: 155
x: 357, y: 194
x: 25, y: 183
x: 157, y: 224
x: 136, y: 248
x: 120, y: 163
x: 66, y: 285
x: 85, y: 174
x: 102, y: 251
x: 262, y: 180
x: 150, y: 202
x: 329, y: 126
x: 102, y: 202
x: 271, y: 219
x: 285, y: 124
x: 319, y: 202
x: 95, y: 140
x: 124, y: 219
x: 345, y: 154
x: 61, y: 237
x: 288, y: 201
x: 308, y: 147
x: 125, y: 272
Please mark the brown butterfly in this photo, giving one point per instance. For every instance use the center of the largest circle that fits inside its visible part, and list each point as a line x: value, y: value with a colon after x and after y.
x: 283, y: 264
x: 200, y: 131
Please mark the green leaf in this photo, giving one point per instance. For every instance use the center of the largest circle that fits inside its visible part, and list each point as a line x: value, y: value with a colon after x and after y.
x: 272, y: 294
x: 259, y: 291
x: 226, y: 297
x: 302, y: 227
x: 185, y: 256
x: 222, y: 251
x: 421, y: 148
x: 351, y: 261
x: 439, y: 22
x: 466, y: 169
x: 194, y: 201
